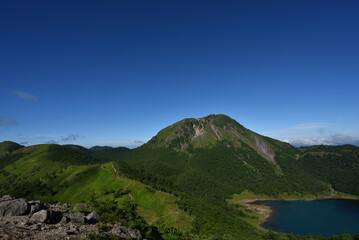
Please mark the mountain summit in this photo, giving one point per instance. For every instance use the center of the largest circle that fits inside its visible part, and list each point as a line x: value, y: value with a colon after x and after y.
x: 208, y: 131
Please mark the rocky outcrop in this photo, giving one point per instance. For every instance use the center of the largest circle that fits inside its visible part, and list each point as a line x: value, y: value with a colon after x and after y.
x: 20, y: 219
x: 124, y: 232
x: 13, y: 207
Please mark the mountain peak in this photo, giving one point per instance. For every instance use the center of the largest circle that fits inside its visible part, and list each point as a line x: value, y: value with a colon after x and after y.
x: 209, y: 131
x: 201, y: 132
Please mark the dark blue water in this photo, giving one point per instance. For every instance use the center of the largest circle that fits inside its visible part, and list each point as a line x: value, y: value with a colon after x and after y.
x: 325, y: 217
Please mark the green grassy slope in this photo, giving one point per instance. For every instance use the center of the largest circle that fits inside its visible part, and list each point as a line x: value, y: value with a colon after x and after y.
x: 55, y: 173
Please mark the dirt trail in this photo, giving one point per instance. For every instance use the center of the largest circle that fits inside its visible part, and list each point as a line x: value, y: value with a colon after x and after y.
x: 118, y: 178
x: 115, y: 170
x: 154, y: 220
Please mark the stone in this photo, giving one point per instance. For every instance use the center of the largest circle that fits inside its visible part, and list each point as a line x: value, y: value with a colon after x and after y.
x: 77, y: 217
x: 41, y: 216
x: 14, y: 207
x: 6, y: 198
x: 93, y: 218
x: 46, y: 216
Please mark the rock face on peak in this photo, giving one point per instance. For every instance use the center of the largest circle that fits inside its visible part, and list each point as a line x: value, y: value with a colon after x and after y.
x: 201, y: 132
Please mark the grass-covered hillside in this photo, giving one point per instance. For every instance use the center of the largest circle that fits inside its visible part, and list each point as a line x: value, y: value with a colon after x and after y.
x: 54, y: 173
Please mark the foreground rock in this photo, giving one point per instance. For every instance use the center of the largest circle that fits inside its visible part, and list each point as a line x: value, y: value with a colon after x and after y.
x: 20, y: 219
x: 13, y: 207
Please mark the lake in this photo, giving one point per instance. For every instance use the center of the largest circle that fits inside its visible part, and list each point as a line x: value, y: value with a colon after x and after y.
x: 325, y: 217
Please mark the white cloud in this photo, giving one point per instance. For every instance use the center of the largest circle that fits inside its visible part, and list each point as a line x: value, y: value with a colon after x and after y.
x: 24, y: 95
x: 336, y: 139
x: 316, y: 133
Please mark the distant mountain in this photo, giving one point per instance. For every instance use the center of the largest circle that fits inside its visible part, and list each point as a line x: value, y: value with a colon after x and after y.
x: 77, y: 147
x: 109, y: 154
x: 99, y: 148
x: 7, y: 147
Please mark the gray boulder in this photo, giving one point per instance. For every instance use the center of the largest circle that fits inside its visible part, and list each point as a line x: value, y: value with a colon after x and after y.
x: 92, y: 218
x: 77, y: 217
x: 41, y: 216
x: 46, y: 216
x: 13, y: 207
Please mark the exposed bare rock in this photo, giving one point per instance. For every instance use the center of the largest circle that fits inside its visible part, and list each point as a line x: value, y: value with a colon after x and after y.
x: 55, y: 222
x: 266, y: 151
x: 6, y: 198
x: 77, y: 217
x: 124, y: 232
x: 13, y: 207
x: 40, y: 217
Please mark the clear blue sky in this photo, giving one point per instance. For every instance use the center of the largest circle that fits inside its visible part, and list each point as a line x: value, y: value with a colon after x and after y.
x: 116, y: 72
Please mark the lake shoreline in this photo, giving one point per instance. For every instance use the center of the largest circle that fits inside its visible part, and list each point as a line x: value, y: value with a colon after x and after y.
x: 270, y: 219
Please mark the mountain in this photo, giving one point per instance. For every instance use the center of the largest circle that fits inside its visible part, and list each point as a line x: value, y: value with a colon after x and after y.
x: 215, y: 157
x: 108, y: 154
x: 99, y: 148
x: 77, y: 147
x: 7, y: 147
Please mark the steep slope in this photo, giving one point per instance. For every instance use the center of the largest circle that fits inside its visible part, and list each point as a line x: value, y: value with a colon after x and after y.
x: 214, y: 157
x: 337, y: 165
